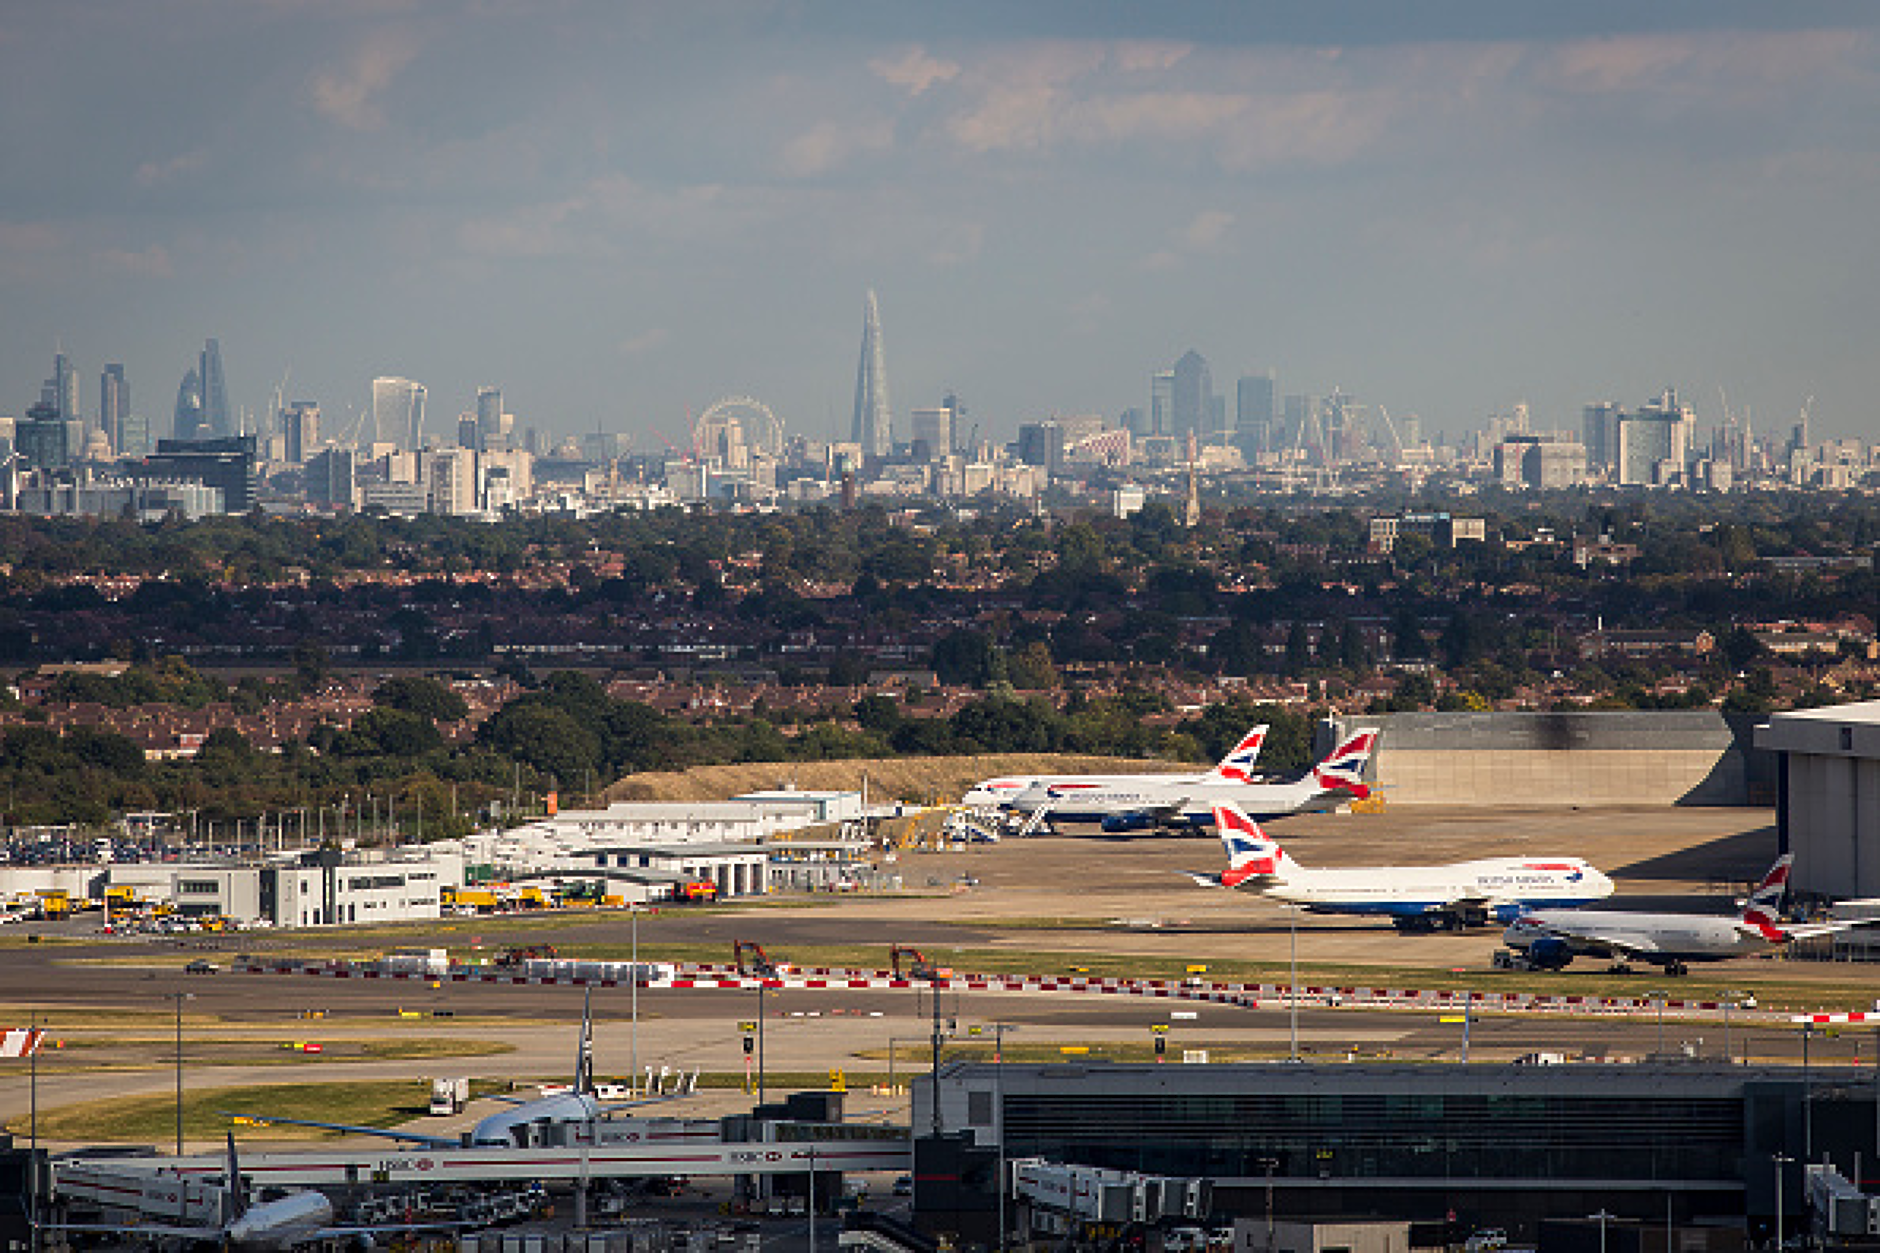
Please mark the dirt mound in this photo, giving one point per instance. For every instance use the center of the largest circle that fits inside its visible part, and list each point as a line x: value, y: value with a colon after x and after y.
x: 923, y: 780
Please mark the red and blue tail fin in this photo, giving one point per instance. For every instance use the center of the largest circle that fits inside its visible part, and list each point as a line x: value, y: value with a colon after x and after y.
x: 1763, y: 910
x: 1343, y: 769
x: 1237, y: 766
x: 1251, y: 853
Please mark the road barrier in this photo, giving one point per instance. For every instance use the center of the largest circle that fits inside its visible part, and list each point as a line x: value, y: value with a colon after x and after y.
x: 685, y: 977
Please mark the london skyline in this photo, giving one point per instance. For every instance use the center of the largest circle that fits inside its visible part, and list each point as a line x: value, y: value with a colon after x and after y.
x: 619, y: 214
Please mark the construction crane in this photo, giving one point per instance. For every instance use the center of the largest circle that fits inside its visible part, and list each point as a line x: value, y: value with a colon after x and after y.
x: 918, y: 967
x: 760, y: 963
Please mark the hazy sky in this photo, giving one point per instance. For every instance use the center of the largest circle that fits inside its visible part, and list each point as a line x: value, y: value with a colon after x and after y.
x: 617, y: 210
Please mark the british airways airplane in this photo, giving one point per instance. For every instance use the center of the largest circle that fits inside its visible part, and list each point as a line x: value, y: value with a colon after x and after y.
x: 1133, y: 804
x: 1237, y: 766
x: 1551, y: 939
x: 1414, y: 898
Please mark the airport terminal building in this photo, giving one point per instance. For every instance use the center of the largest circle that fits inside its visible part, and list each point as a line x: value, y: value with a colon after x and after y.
x: 1503, y: 1145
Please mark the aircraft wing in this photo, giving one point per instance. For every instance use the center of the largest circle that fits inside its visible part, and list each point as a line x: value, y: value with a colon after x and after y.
x: 1618, y: 941
x: 1814, y: 930
x: 408, y: 1137
x: 141, y: 1229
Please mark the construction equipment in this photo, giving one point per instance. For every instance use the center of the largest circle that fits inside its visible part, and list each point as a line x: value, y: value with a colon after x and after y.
x: 527, y: 952
x: 760, y: 963
x: 918, y: 966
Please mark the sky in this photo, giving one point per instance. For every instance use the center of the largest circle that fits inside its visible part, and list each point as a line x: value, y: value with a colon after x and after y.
x: 620, y: 212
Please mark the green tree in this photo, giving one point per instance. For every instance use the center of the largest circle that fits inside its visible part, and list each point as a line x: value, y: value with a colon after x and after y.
x: 421, y: 695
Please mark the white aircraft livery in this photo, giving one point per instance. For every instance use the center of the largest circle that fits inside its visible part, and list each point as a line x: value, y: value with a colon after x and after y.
x: 1552, y: 938
x: 301, y: 1217
x: 1414, y: 898
x: 1002, y: 791
x: 1138, y: 802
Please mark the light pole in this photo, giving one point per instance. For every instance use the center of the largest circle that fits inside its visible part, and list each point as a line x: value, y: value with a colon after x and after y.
x: 1271, y: 1164
x: 1808, y: 1103
x: 1730, y: 999
x: 1779, y: 1160
x: 1292, y: 918
x: 32, y: 1134
x: 634, y: 909
x: 1657, y: 996
x: 760, y: 1039
x: 1603, y: 1217
x: 179, y: 998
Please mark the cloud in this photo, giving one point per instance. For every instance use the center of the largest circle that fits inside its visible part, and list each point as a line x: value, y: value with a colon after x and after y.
x: 1136, y: 57
x: 1208, y: 229
x: 958, y: 244
x: 646, y: 341
x: 151, y: 262
x: 914, y: 71
x: 348, y: 97
x: 1008, y: 118
x: 829, y: 144
x: 156, y: 173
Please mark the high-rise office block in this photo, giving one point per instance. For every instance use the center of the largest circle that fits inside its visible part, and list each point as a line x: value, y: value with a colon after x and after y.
x: 469, y: 432
x: 1192, y: 396
x: 300, y: 430
x: 930, y: 432
x: 1162, y: 403
x: 114, y: 402
x: 398, y: 413
x: 188, y: 423
x: 135, y: 429
x: 873, y: 428
x: 61, y: 389
x: 41, y: 438
x: 1599, y: 431
x: 1655, y: 442
x: 216, y: 414
x: 493, y: 425
x: 227, y: 465
x: 1253, y: 413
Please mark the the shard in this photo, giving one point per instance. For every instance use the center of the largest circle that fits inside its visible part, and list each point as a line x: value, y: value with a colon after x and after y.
x: 874, y: 421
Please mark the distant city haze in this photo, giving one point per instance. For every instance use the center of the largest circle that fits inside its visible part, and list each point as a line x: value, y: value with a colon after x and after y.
x: 608, y: 217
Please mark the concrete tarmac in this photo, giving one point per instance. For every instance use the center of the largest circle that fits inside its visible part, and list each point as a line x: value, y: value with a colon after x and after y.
x: 1053, y: 895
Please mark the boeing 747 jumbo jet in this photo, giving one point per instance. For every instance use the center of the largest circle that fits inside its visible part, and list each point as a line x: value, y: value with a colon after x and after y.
x: 1002, y: 791
x: 1140, y: 802
x: 1414, y: 898
x: 1551, y: 938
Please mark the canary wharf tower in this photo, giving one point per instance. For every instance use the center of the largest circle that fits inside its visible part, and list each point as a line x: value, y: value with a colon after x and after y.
x: 874, y: 421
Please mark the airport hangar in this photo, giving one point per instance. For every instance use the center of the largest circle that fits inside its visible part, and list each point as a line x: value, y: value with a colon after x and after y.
x: 1694, y: 1142
x: 1828, y: 796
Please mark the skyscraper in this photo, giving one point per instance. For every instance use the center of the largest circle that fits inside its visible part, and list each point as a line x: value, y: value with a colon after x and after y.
x: 493, y: 425
x: 1162, y: 402
x: 216, y: 415
x: 398, y: 413
x: 188, y: 420
x: 1253, y: 413
x: 300, y: 427
x: 114, y: 402
x: 874, y: 420
x: 1193, y: 396
x: 64, y: 387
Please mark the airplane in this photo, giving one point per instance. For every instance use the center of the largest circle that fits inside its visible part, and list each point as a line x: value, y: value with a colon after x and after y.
x: 1136, y: 804
x: 1000, y: 792
x: 1414, y: 898
x: 300, y: 1217
x: 1550, y: 939
x: 579, y: 1103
